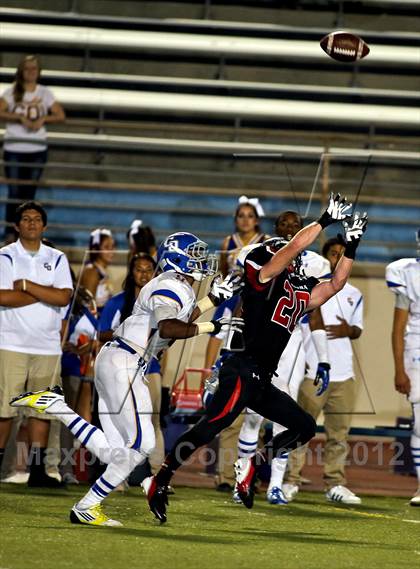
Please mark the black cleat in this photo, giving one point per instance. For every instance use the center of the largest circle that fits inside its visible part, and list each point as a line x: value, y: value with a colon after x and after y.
x: 44, y: 481
x: 157, y: 496
x: 245, y: 471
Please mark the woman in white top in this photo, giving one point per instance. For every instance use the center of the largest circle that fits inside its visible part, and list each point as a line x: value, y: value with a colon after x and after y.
x: 26, y: 107
x: 94, y: 275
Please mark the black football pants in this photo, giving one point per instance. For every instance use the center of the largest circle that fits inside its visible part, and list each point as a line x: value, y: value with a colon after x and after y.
x: 240, y: 387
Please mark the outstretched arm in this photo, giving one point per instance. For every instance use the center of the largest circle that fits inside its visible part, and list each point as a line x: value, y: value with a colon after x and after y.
x: 324, y: 291
x: 353, y: 234
x: 283, y: 258
x: 336, y: 211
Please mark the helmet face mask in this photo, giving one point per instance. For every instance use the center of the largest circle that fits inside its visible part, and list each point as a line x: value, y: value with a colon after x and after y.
x: 186, y: 254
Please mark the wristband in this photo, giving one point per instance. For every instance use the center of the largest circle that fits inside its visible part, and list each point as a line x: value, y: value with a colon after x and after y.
x: 350, y: 250
x: 319, y: 338
x: 325, y: 220
x: 24, y: 285
x: 204, y: 304
x: 205, y: 328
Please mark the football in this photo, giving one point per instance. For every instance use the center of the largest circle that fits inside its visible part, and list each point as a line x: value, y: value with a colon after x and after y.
x: 344, y: 46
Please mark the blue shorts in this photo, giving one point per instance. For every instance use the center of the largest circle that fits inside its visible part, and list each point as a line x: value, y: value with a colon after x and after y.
x: 153, y: 366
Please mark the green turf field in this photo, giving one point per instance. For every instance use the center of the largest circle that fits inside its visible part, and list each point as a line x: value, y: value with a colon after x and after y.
x: 206, y: 531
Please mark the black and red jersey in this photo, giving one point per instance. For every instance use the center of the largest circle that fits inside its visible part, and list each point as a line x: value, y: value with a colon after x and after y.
x: 271, y: 310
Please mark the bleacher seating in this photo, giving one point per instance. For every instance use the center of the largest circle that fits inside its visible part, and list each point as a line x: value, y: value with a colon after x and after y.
x: 163, y: 101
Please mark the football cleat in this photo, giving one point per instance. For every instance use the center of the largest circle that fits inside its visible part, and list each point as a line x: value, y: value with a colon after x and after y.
x: 16, y: 478
x: 38, y: 400
x: 415, y: 500
x: 235, y: 496
x: 245, y: 471
x: 157, y: 496
x: 290, y: 491
x: 93, y: 516
x: 275, y: 496
x: 342, y: 495
x: 42, y: 480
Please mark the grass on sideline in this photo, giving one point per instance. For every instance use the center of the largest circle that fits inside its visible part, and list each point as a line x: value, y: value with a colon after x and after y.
x: 206, y: 531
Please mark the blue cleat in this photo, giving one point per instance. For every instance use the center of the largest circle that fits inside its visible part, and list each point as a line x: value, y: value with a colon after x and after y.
x: 276, y: 496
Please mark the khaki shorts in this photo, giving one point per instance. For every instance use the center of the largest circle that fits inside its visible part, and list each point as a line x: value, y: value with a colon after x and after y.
x: 26, y: 372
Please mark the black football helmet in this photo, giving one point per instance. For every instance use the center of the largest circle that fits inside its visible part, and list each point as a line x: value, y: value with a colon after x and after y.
x: 274, y: 244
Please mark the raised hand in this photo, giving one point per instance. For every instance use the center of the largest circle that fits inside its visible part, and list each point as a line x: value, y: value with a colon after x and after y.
x: 337, y: 210
x: 353, y: 231
x: 224, y: 289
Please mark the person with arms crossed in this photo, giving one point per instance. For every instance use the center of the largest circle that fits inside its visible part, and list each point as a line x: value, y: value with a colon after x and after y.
x: 274, y: 297
x: 162, y: 313
x: 35, y: 283
x: 342, y: 316
x: 403, y: 278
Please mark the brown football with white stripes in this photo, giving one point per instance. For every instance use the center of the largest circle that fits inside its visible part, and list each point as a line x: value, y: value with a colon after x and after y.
x: 344, y: 46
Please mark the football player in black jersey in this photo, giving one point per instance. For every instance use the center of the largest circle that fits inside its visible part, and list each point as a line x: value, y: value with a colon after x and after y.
x: 275, y: 295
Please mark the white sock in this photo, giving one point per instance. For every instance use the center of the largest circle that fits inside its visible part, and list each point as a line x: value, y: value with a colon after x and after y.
x: 91, y: 437
x: 248, y: 436
x: 124, y: 461
x: 415, y: 440
x: 278, y: 469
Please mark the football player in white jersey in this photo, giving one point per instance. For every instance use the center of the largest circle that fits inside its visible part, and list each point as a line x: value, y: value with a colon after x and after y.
x: 163, y: 312
x: 291, y: 368
x: 403, y: 278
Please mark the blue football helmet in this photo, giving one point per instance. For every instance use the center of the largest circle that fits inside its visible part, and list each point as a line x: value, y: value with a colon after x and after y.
x: 186, y: 254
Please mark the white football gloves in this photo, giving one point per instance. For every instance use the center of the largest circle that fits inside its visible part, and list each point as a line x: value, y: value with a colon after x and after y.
x: 353, y: 231
x: 224, y: 289
x: 229, y: 324
x: 337, y: 210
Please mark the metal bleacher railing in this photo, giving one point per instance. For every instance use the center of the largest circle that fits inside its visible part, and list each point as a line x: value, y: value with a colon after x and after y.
x: 165, y: 206
x: 198, y: 44
x: 102, y: 95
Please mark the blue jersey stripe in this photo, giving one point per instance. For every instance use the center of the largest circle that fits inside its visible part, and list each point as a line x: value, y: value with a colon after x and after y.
x: 8, y: 256
x: 392, y: 284
x: 137, y: 443
x: 358, y: 304
x: 94, y: 321
x: 169, y: 294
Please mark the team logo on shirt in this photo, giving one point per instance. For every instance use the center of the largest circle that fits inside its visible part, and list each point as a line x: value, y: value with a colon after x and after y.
x: 47, y: 266
x: 350, y: 300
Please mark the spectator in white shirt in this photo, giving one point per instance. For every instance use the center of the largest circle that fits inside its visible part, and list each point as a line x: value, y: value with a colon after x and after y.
x: 35, y: 283
x: 26, y: 107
